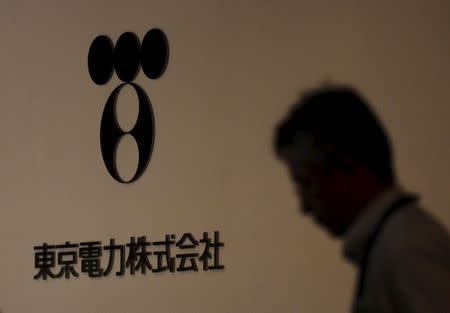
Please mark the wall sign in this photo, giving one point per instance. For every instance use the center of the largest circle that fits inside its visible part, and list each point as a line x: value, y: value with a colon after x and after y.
x: 139, y: 255
x: 126, y: 58
x: 136, y: 256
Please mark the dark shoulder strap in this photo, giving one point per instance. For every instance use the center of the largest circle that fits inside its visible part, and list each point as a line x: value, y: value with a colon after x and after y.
x: 394, y: 207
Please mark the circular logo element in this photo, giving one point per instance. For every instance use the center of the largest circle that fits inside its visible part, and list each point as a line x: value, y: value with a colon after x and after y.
x: 126, y: 58
x: 100, y: 60
x: 154, y: 53
x: 111, y: 133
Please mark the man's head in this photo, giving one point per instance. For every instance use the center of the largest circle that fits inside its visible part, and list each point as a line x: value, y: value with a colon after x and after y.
x: 337, y: 153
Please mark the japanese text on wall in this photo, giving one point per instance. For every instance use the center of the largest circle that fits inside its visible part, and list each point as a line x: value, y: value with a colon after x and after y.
x: 139, y: 255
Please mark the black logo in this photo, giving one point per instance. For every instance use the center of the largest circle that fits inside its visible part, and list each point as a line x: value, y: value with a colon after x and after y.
x: 126, y: 58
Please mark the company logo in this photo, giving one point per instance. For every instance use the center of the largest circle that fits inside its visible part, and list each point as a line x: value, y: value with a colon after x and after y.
x: 126, y: 59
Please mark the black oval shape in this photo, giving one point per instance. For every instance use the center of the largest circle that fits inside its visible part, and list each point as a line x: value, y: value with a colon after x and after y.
x: 143, y: 132
x: 127, y: 56
x: 100, y: 60
x: 154, y: 53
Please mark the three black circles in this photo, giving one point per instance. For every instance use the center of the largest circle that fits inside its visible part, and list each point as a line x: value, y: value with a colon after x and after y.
x: 126, y: 58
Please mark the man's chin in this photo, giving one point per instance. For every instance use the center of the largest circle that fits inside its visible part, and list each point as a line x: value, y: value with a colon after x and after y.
x: 334, y: 232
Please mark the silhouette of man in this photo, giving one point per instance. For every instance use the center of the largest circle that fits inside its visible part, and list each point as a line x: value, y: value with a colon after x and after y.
x: 340, y: 159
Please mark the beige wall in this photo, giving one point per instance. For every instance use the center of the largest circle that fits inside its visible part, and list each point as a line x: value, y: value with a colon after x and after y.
x: 234, y: 68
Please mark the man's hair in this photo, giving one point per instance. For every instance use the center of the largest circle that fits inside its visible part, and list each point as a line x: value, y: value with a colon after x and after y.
x: 341, y: 117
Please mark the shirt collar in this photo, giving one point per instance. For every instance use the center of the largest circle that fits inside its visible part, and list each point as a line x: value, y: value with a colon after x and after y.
x: 360, y: 230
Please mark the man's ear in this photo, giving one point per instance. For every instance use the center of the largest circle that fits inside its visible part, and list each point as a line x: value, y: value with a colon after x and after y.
x: 341, y: 161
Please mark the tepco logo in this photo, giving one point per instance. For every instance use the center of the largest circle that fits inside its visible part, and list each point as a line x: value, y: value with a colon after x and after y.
x: 126, y: 58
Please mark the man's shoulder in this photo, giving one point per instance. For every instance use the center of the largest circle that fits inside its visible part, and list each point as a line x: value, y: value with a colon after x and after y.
x: 413, y: 233
x: 413, y: 257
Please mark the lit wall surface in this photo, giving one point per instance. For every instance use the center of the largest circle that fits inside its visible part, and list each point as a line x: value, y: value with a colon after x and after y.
x: 234, y: 69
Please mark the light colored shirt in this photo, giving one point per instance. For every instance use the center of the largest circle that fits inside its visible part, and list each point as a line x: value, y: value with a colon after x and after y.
x: 408, y: 270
